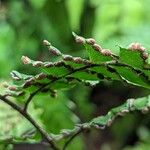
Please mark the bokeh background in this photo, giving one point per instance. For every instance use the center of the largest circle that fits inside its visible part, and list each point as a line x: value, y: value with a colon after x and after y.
x: 23, y: 26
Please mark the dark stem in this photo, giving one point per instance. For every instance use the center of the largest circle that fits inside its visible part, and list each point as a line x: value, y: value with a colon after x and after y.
x: 31, y: 96
x: 34, y: 93
x: 31, y: 120
x: 71, y: 139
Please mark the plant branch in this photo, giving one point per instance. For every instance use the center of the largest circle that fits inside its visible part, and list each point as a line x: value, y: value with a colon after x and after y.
x: 114, y: 62
x: 56, y: 79
x: 31, y: 120
x: 101, y: 122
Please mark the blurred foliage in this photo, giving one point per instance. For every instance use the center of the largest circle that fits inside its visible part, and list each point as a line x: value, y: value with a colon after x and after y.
x: 24, y: 24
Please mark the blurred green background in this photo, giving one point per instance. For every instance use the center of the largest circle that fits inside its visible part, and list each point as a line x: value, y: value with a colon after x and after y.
x: 23, y: 26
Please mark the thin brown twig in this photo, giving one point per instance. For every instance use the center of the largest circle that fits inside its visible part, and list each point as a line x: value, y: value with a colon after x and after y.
x: 31, y: 120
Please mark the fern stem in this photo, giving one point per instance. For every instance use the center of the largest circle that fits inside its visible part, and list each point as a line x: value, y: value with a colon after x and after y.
x: 31, y: 120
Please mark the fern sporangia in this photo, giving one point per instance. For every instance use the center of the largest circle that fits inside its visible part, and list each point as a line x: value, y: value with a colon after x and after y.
x: 130, y: 66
